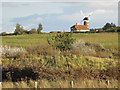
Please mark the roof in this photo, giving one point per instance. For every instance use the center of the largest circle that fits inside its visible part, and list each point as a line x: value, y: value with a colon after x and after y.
x: 86, y: 18
x: 55, y: 32
x: 79, y: 27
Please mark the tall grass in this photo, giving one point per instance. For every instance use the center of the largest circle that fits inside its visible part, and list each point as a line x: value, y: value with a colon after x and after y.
x: 80, y: 83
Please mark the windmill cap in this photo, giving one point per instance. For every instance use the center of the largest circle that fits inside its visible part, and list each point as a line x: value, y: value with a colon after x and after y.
x: 86, y: 18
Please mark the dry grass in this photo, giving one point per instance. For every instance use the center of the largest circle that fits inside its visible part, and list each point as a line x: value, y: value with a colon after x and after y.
x: 63, y: 84
x: 42, y: 50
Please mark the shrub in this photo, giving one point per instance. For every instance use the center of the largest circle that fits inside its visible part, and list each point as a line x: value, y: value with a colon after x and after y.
x: 3, y: 33
x: 32, y: 31
x: 12, y: 52
x: 61, y: 41
x: 86, y: 48
x: 42, y: 50
x: 26, y: 31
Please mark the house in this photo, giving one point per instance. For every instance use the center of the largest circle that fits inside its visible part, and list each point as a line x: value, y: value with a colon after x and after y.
x: 81, y: 28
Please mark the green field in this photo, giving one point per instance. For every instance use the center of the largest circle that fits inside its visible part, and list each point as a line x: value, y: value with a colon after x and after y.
x: 108, y: 40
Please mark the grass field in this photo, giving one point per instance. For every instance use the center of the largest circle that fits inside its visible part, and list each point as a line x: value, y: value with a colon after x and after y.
x: 108, y: 40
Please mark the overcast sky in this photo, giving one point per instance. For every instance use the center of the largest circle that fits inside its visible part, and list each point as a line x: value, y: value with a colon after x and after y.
x: 56, y: 15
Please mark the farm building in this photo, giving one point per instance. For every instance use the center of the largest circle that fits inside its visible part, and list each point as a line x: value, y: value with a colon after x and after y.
x: 81, y: 28
x: 55, y: 32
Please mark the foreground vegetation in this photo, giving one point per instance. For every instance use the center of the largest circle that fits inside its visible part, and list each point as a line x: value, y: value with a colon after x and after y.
x: 91, y: 61
x: 80, y: 83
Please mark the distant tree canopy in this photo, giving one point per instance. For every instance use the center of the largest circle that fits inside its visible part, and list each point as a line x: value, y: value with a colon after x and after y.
x: 19, y: 30
x: 108, y: 26
x: 3, y: 33
x: 32, y: 31
x: 39, y: 29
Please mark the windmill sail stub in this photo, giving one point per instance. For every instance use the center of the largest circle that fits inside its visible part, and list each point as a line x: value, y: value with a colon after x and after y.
x: 86, y: 18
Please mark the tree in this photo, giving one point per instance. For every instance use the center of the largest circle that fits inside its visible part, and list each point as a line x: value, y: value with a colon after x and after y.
x: 108, y: 26
x: 61, y: 41
x: 19, y: 30
x: 26, y: 31
x: 3, y: 33
x: 32, y: 31
x: 39, y: 29
x: 118, y: 29
x: 113, y: 25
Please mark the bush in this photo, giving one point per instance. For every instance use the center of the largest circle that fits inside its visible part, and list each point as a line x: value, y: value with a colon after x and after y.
x: 12, y: 52
x: 42, y: 50
x: 26, y: 31
x: 85, y: 48
x: 61, y: 41
x: 3, y: 33
x: 118, y: 29
x: 32, y: 31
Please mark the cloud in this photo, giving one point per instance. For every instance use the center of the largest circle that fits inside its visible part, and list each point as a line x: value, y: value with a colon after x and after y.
x: 76, y: 17
x: 71, y: 17
x: 102, y: 4
x: 8, y: 29
x: 9, y: 4
x: 0, y: 28
x: 38, y: 19
x: 58, y: 0
x: 102, y: 11
x: 28, y: 19
x: 29, y: 26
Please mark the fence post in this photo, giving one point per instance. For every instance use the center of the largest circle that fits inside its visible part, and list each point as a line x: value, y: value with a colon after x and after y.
x: 71, y: 84
x: 35, y: 84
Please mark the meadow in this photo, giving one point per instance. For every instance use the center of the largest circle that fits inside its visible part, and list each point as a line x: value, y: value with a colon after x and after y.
x: 35, y: 60
x: 108, y: 40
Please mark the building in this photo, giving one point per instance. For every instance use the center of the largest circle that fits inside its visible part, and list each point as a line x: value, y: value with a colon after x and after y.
x: 55, y: 32
x: 81, y: 28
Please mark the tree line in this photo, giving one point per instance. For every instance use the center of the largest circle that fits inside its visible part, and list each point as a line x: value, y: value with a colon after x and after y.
x: 20, y: 31
x: 108, y: 27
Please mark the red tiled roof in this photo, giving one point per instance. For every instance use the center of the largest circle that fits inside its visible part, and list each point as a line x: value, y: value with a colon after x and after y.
x: 79, y: 27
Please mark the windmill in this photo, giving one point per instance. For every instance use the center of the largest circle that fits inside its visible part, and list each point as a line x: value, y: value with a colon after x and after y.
x: 86, y: 18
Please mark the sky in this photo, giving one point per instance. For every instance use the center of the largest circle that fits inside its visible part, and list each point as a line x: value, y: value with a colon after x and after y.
x: 56, y: 16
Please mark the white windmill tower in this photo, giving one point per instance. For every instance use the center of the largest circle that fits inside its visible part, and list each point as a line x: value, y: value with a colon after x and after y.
x: 86, y: 19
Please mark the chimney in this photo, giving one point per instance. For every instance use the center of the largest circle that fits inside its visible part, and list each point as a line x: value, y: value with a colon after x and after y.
x: 76, y: 23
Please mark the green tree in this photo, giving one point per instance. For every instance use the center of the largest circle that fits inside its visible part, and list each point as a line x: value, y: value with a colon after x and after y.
x: 19, y: 30
x: 32, y: 31
x: 113, y: 25
x: 108, y: 26
x: 61, y: 41
x: 26, y: 31
x: 3, y: 33
x: 39, y: 29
